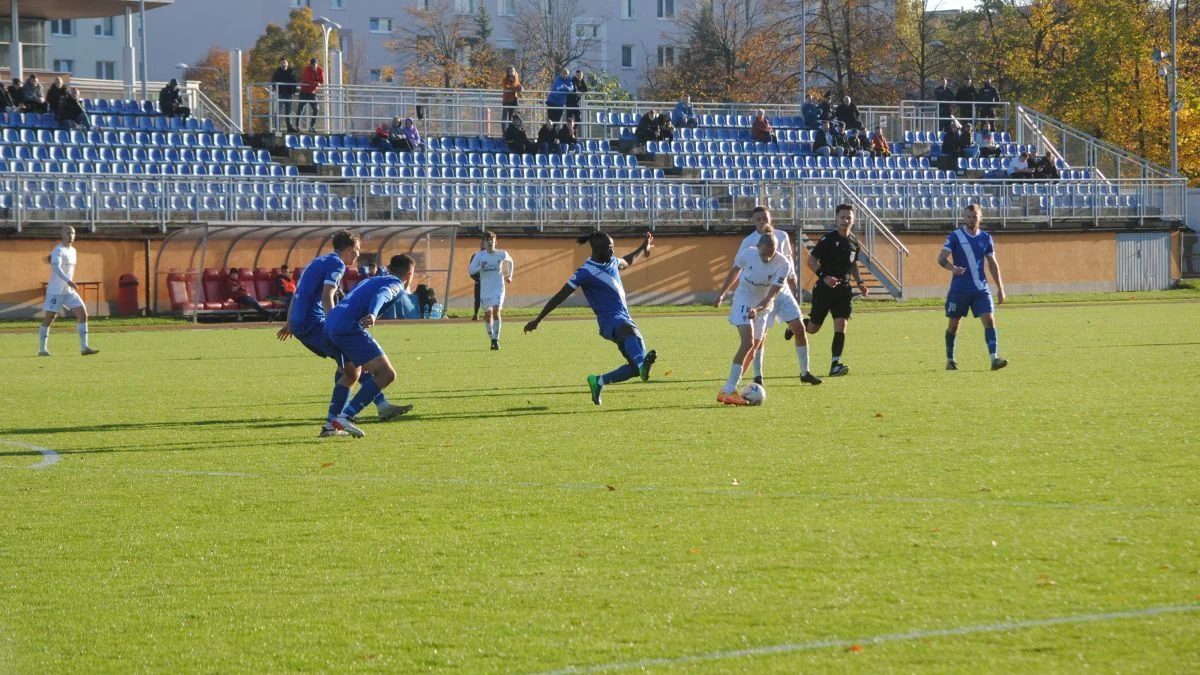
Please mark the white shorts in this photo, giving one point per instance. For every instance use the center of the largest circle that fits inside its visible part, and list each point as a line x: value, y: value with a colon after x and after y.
x: 66, y: 300
x: 786, y: 309
x: 489, y: 300
x: 739, y: 315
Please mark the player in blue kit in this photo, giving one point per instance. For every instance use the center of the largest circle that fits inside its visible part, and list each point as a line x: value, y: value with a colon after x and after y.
x: 600, y: 279
x: 970, y: 247
x: 306, y: 317
x: 355, y: 349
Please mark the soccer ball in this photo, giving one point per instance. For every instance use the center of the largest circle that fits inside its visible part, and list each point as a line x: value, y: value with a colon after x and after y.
x: 754, y: 394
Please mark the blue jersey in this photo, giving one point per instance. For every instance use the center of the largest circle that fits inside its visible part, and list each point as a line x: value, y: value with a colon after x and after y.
x: 969, y: 252
x: 601, y: 284
x: 326, y: 270
x: 370, y: 296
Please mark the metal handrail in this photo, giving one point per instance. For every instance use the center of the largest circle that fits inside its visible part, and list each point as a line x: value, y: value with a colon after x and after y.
x: 1095, y: 152
x: 203, y: 107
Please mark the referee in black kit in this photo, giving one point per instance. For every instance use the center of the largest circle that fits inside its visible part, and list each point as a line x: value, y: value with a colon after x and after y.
x: 835, y: 260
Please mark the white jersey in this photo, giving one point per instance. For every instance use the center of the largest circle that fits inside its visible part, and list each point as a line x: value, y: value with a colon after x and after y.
x: 62, y: 269
x: 758, y: 277
x: 783, y: 243
x: 492, y: 268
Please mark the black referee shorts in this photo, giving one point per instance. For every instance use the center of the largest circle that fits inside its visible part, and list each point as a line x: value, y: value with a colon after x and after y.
x: 835, y: 301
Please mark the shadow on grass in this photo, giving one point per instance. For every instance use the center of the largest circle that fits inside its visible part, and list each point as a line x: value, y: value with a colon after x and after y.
x: 182, y: 425
x: 172, y: 447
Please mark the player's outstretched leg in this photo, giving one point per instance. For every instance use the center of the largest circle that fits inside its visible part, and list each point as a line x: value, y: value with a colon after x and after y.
x: 989, y: 336
x: 801, y: 338
x: 759, y: 355
x: 496, y: 327
x: 44, y: 335
x: 836, y: 367
x: 489, y: 325
x: 729, y: 393
x: 341, y: 393
x: 951, y: 337
x: 386, y: 409
x: 81, y: 327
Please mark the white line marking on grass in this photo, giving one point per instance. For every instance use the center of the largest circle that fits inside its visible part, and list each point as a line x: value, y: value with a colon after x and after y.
x: 49, y: 457
x: 876, y: 640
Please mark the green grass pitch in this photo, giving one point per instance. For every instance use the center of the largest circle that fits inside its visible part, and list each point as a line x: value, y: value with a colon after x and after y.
x: 1044, y: 518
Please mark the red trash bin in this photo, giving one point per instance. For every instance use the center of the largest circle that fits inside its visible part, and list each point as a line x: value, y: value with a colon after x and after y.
x: 127, y: 295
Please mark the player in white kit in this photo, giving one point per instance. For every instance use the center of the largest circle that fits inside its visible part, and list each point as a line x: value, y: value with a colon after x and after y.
x: 762, y: 273
x: 787, y: 303
x: 62, y: 293
x: 495, y: 269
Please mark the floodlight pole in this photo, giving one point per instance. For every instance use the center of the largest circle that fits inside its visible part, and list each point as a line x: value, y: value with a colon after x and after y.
x: 803, y: 49
x: 1174, y: 91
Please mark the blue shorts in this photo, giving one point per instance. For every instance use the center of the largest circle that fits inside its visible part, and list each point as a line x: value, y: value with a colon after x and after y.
x: 314, y: 338
x: 979, y: 302
x: 610, y: 326
x: 354, y: 346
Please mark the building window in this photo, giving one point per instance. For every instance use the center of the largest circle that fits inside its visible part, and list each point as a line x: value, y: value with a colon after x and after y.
x: 64, y: 66
x: 380, y: 24
x: 626, y: 9
x: 298, y: 4
x: 337, y: 4
x: 464, y: 6
x: 106, y: 28
x: 508, y: 55
x: 62, y: 28
x: 626, y: 56
x: 106, y: 70
x: 508, y: 8
x: 666, y: 9
x: 666, y: 55
x: 587, y: 31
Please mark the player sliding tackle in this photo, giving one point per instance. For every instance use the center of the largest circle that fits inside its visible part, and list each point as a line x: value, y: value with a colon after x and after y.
x: 356, y: 350
x: 600, y: 279
x: 761, y: 273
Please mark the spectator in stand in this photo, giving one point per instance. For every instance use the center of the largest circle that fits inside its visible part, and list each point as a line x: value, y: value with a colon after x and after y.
x: 663, y: 128
x: 557, y: 98
x: 811, y: 112
x: 1018, y: 167
x: 35, y: 97
x: 516, y: 138
x: 854, y: 144
x: 381, y: 140
x: 547, y: 139
x: 511, y: 96
x: 282, y: 286
x: 54, y: 95
x: 285, y: 82
x: 170, y: 101
x: 16, y: 92
x: 311, y: 81
x: 647, y: 127
x: 966, y: 96
x: 827, y: 106
x: 1045, y: 168
x: 825, y: 143
x: 6, y: 102
x: 949, y: 159
x: 579, y: 84
x: 879, y: 144
x: 71, y: 112
x: 966, y: 142
x: 986, y: 140
x: 235, y: 291
x: 404, y: 137
x: 944, y: 95
x: 988, y: 94
x: 684, y: 115
x: 761, y: 130
x: 568, y: 141
x: 848, y: 114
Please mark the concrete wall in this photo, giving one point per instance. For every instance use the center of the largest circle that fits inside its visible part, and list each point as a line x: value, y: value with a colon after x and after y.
x: 682, y: 269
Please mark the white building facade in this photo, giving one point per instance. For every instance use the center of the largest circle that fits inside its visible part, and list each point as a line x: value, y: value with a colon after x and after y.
x: 630, y: 36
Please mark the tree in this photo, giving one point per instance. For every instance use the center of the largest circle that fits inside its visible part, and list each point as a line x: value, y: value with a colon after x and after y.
x: 435, y: 41
x: 608, y: 87
x: 854, y: 49
x: 299, y: 42
x: 552, y: 35
x: 920, y: 38
x: 212, y: 73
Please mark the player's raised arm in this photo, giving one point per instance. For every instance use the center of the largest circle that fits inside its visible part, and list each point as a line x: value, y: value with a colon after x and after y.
x: 562, y: 294
x: 643, y: 250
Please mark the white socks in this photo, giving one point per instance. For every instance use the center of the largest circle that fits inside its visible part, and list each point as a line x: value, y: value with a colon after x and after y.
x: 758, y: 360
x: 44, y: 334
x: 802, y: 354
x: 81, y: 328
x: 496, y: 329
x: 735, y: 376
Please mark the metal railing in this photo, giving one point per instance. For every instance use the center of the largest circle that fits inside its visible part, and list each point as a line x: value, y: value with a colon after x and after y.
x: 1080, y: 149
x: 884, y: 251
x: 165, y: 200
x: 933, y: 116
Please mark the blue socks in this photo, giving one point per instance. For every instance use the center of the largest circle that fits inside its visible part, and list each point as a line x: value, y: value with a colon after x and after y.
x: 340, y: 393
x: 989, y: 335
x: 366, y: 377
x: 950, y: 337
x: 621, y: 374
x: 366, y: 393
x: 634, y: 350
